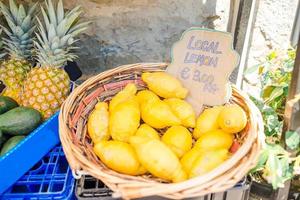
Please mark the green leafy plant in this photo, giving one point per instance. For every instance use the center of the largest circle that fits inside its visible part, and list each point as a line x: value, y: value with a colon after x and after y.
x: 276, y: 165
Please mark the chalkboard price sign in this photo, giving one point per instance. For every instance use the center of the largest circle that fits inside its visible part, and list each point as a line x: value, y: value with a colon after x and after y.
x: 203, y: 59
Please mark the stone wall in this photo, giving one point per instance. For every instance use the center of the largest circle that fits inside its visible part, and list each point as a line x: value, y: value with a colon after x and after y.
x: 125, y: 31
x: 272, y: 29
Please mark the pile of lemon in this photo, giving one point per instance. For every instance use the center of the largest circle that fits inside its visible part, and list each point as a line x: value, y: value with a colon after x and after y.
x: 155, y: 131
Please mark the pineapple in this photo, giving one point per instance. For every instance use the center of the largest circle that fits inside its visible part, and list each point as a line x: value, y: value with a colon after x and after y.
x: 48, y: 85
x: 2, y: 54
x: 19, y: 45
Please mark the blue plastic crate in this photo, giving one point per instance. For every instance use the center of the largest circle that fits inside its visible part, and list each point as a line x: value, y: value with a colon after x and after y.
x: 51, y: 178
x: 15, y: 163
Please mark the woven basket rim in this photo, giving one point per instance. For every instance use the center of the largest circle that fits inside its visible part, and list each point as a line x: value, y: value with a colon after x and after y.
x: 75, y: 159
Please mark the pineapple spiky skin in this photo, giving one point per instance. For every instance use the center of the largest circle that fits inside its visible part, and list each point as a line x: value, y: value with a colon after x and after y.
x: 12, y: 73
x: 46, y: 89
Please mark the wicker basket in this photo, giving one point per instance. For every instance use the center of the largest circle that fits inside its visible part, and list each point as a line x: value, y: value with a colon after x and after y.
x: 78, y: 146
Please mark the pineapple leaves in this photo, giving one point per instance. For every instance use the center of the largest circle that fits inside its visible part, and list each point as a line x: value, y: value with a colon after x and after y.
x: 79, y: 26
x: 51, y: 33
x: 2, y: 55
x: 26, y: 23
x: 13, y: 9
x: 6, y: 31
x: 76, y: 32
x: 19, y: 30
x: 55, y: 45
x: 51, y: 12
x: 56, y: 33
x: 65, y: 39
x: 60, y: 11
x: 5, y: 11
x: 1, y: 46
x: 24, y: 39
x: 31, y: 30
x: 71, y: 41
x: 67, y: 23
x: 76, y: 9
x: 41, y: 41
x: 21, y: 14
x: 46, y: 19
x: 32, y: 9
x: 42, y: 32
x: 11, y: 24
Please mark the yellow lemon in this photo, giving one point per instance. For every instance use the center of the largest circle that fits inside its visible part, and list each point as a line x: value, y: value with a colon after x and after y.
x: 158, y: 159
x: 183, y: 110
x: 179, y: 139
x: 147, y: 131
x: 158, y: 114
x: 207, y: 161
x: 98, y: 123
x: 217, y: 139
x: 119, y: 156
x: 207, y: 121
x: 124, y: 120
x: 146, y: 95
x: 232, y: 118
x: 189, y: 158
x: 164, y: 85
x: 125, y: 94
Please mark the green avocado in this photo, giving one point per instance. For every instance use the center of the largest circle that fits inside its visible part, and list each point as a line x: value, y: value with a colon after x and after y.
x: 20, y: 121
x: 3, y: 139
x: 11, y: 143
x: 6, y: 104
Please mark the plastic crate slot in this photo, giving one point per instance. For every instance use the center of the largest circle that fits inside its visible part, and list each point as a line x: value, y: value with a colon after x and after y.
x: 57, y: 187
x: 45, y: 188
x: 46, y: 159
x: 50, y: 169
x: 41, y: 171
x: 53, y: 159
x: 25, y: 188
x: 89, y: 184
x: 63, y: 166
x: 100, y: 184
x: 20, y: 188
x: 36, y: 167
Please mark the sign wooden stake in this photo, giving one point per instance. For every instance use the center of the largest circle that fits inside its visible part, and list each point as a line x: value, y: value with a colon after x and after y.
x: 203, y: 60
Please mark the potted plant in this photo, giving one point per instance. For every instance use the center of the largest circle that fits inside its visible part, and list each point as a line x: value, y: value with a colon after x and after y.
x: 276, y: 165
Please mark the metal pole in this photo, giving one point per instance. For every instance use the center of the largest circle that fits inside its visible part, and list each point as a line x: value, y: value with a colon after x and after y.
x: 242, y: 18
